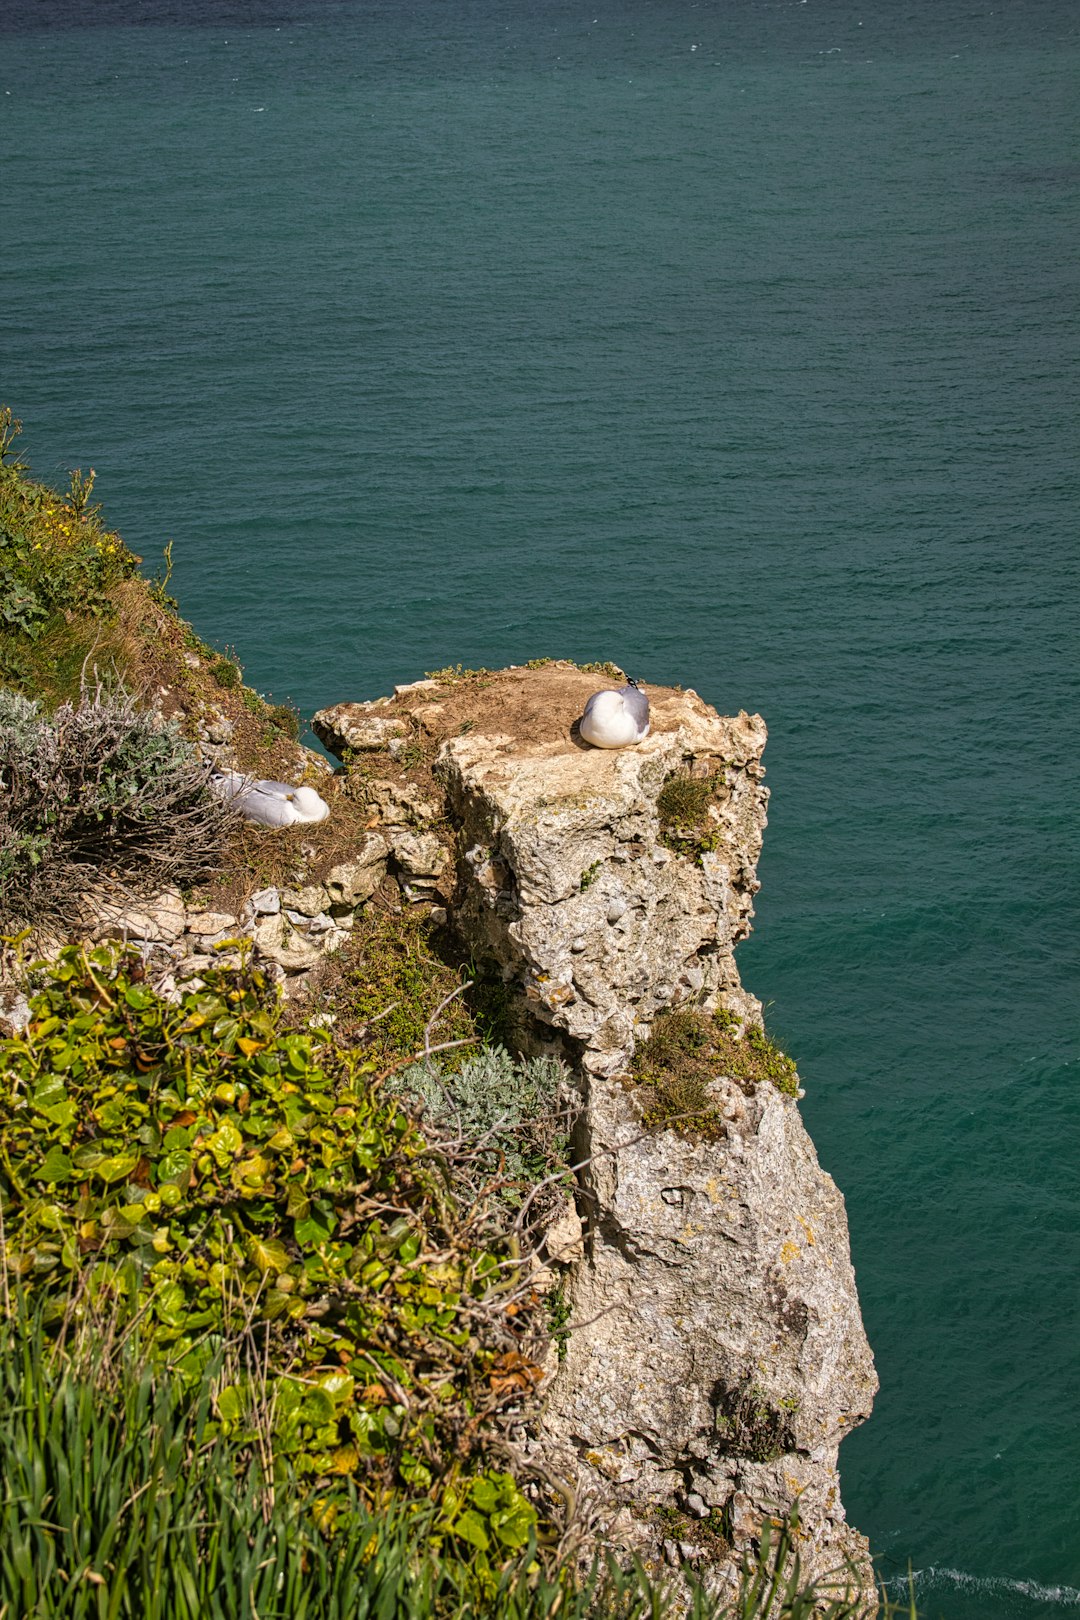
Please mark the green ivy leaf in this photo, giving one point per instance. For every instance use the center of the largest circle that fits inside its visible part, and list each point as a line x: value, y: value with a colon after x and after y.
x: 55, y: 1167
x: 317, y: 1407
x: 486, y: 1494
x: 314, y: 1228
x: 169, y: 1306
x: 470, y: 1527
x: 51, y: 1099
x: 225, y: 1143
x: 269, y: 1254
x: 174, y: 1167
x: 338, y: 1385
x: 117, y: 1166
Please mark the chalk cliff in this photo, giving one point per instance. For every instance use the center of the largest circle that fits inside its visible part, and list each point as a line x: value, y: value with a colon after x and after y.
x: 717, y: 1355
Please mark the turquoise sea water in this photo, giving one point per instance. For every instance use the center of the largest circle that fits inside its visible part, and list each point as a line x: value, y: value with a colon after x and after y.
x: 735, y: 342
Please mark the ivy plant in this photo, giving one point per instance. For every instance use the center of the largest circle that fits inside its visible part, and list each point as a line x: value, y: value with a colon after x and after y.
x: 192, y: 1167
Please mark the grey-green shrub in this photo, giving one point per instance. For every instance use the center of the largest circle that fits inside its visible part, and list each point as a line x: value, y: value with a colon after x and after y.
x: 100, y: 787
x: 518, y: 1107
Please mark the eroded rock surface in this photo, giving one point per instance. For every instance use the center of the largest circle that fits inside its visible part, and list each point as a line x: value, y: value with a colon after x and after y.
x: 723, y: 1355
x: 720, y: 1356
x: 716, y: 1354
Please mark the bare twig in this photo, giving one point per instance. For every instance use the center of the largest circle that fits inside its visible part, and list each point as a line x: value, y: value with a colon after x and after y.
x: 440, y: 1009
x: 444, y: 1046
x: 379, y: 1016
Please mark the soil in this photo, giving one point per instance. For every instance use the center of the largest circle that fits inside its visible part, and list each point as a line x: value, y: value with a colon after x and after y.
x: 540, y: 705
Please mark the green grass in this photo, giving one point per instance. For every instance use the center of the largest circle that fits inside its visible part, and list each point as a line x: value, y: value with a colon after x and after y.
x: 683, y: 808
x: 686, y: 1050
x: 122, y: 1499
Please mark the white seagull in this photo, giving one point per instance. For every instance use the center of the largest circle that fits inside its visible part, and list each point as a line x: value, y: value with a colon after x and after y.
x: 616, y: 719
x: 272, y: 804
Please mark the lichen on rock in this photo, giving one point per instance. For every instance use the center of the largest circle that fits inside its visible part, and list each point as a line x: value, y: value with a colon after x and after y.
x: 720, y: 1355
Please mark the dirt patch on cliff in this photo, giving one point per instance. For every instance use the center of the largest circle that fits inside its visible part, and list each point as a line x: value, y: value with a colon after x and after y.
x: 538, y: 706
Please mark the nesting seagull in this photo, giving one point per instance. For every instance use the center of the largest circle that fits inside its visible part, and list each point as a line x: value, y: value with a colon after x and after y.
x: 272, y: 804
x: 616, y: 719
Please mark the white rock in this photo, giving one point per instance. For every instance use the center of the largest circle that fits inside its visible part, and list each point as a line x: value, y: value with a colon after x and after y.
x: 323, y: 924
x: 280, y: 942
x: 308, y: 901
x: 419, y: 855
x: 210, y: 922
x: 416, y: 686
x: 159, y: 921
x: 355, y: 880
x: 14, y: 1011
x: 400, y: 804
x: 353, y: 726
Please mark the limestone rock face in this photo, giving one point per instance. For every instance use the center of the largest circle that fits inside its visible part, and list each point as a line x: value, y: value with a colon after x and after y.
x: 720, y: 1356
x: 723, y: 1357
x: 572, y: 890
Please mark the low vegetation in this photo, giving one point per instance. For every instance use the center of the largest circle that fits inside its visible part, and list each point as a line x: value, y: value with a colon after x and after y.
x: 683, y: 805
x: 515, y: 1114
x: 72, y: 602
x: 272, y: 1313
x: 455, y: 673
x: 388, y: 981
x: 101, y: 788
x: 58, y: 569
x: 244, y: 1287
x: 126, y: 1497
x: 191, y: 1165
x: 687, y: 1050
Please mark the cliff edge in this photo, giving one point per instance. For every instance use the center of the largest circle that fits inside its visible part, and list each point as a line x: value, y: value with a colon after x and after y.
x: 716, y: 1354
x: 482, y: 869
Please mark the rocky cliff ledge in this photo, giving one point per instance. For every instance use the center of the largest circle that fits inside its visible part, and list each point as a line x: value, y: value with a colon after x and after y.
x: 716, y: 1354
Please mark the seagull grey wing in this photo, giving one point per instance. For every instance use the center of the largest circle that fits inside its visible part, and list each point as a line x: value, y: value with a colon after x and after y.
x: 286, y: 789
x: 637, y: 703
x: 224, y: 783
x: 229, y: 787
